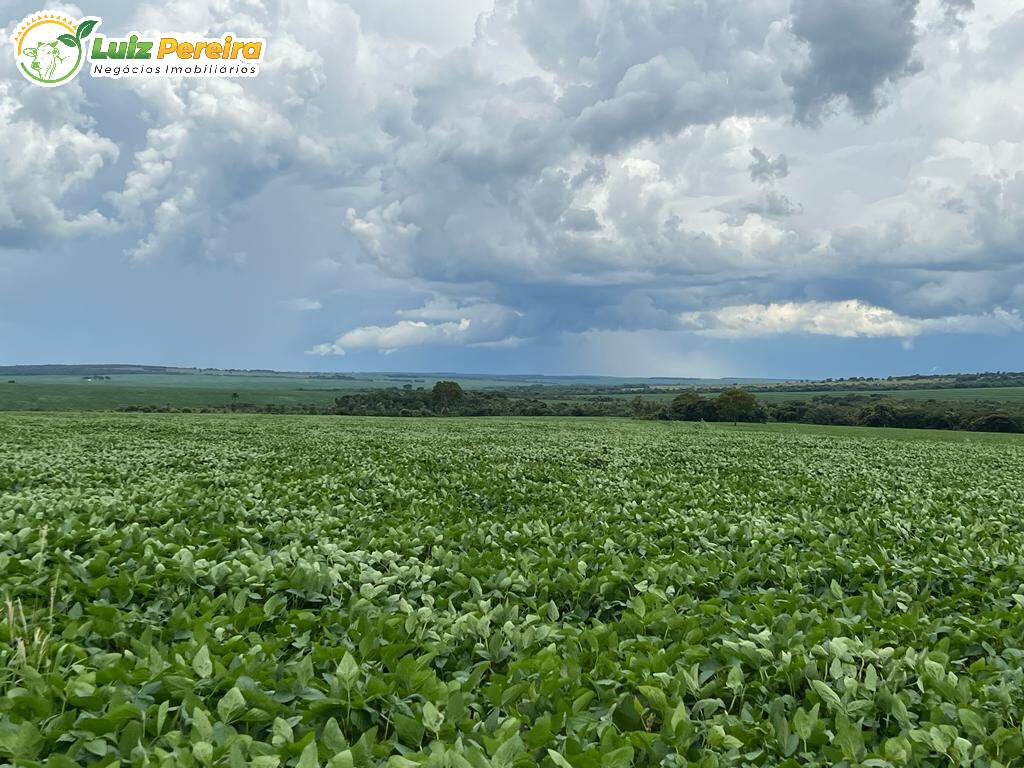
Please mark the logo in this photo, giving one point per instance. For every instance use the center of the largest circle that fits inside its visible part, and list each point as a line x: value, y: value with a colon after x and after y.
x: 51, y: 48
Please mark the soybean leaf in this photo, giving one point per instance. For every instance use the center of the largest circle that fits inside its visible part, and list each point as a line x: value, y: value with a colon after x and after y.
x: 827, y: 695
x: 231, y: 705
x: 202, y: 664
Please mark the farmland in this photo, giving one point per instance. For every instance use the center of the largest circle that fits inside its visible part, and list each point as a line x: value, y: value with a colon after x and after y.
x: 113, y: 390
x: 108, y: 388
x: 1013, y: 395
x: 66, y: 392
x: 229, y: 590
x: 993, y: 394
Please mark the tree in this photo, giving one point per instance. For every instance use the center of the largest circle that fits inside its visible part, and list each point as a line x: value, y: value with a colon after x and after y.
x: 878, y: 415
x: 446, y: 393
x: 995, y: 422
x: 646, y: 408
x: 690, y: 406
x: 738, y: 405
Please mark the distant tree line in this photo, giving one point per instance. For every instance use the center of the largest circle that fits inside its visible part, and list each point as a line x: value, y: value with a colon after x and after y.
x: 877, y: 411
x: 448, y: 398
x: 849, y: 410
x: 982, y: 380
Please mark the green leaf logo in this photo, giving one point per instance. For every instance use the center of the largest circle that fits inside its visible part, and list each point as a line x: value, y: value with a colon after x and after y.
x: 68, y: 40
x: 85, y: 28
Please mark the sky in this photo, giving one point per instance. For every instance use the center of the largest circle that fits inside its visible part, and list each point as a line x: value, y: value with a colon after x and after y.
x: 639, y: 187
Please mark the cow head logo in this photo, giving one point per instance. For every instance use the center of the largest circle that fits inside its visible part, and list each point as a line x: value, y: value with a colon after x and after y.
x: 48, y: 47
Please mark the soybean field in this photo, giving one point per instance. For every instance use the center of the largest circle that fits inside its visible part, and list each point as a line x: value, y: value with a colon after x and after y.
x: 239, y: 590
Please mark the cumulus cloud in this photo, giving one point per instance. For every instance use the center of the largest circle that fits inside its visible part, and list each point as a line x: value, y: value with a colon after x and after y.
x: 404, y: 333
x: 45, y: 159
x: 597, y: 166
x: 846, y: 319
x: 955, y: 12
x: 961, y: 204
x: 439, y: 322
x: 854, y: 48
x: 213, y: 144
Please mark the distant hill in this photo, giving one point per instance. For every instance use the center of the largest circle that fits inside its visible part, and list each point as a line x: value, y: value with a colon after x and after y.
x: 107, y: 369
x: 102, y: 369
x: 624, y: 384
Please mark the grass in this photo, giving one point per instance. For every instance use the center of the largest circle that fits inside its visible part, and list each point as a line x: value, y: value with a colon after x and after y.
x: 882, y: 433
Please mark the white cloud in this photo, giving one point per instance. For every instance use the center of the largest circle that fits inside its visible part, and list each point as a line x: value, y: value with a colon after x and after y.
x: 213, y: 144
x: 48, y: 153
x: 439, y: 322
x: 404, y: 333
x: 847, y: 319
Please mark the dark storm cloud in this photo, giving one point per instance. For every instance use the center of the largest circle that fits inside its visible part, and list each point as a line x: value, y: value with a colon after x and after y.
x: 765, y: 168
x: 855, y: 49
x: 662, y: 66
